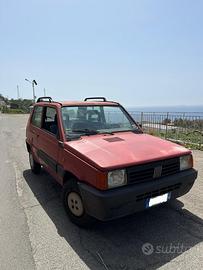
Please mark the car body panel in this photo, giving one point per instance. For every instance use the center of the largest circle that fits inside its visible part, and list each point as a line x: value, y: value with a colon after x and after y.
x: 130, y: 149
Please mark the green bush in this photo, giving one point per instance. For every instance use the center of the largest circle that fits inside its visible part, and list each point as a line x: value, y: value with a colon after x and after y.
x: 12, y: 111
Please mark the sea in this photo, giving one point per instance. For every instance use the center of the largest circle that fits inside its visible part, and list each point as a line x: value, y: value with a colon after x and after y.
x: 174, y: 109
x: 159, y: 113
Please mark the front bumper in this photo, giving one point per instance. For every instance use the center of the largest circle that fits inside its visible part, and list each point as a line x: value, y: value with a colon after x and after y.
x: 126, y: 200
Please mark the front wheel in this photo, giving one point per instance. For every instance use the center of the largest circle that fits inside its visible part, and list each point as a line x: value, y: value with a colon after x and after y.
x: 35, y: 166
x: 74, y: 206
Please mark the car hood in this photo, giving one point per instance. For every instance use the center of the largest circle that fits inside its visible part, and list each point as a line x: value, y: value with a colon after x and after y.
x: 123, y: 149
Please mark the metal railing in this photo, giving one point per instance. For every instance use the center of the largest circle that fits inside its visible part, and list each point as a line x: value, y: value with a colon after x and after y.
x: 184, y: 128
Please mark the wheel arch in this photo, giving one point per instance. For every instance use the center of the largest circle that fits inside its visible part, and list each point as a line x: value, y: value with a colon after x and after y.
x: 69, y: 176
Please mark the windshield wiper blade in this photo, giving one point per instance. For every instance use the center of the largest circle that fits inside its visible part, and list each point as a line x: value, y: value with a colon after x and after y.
x: 86, y: 131
x: 72, y: 137
x: 92, y: 132
x: 106, y: 132
x: 137, y: 131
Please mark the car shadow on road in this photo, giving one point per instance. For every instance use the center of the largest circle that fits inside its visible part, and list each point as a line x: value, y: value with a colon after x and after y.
x: 146, y: 240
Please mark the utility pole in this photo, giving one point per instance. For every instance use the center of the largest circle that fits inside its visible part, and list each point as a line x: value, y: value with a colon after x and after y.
x: 44, y: 92
x: 33, y: 88
x: 18, y: 92
x: 33, y: 82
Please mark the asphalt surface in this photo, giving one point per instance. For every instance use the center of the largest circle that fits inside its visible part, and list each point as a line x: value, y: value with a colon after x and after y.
x: 35, y: 232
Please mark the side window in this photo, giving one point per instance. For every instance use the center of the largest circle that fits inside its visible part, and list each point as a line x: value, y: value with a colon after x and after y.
x: 50, y: 120
x: 37, y: 116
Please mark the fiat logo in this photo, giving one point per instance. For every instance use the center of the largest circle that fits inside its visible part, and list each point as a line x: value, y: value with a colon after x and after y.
x: 157, y: 172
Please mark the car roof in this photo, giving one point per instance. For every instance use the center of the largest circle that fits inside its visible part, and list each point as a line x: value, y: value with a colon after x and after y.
x: 88, y: 103
x: 76, y: 103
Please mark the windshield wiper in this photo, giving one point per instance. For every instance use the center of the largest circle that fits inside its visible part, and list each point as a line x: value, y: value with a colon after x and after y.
x: 72, y: 137
x: 137, y: 131
x: 86, y: 131
x: 106, y: 132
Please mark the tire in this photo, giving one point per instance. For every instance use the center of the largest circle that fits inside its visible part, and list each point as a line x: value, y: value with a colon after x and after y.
x: 74, y: 206
x: 35, y: 166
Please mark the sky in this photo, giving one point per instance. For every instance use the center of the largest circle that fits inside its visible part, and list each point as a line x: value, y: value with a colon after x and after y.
x: 140, y: 53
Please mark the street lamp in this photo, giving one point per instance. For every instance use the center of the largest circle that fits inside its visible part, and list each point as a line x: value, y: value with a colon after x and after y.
x: 33, y: 82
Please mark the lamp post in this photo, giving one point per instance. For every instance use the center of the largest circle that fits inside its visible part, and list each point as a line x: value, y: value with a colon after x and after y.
x: 18, y: 92
x: 33, y: 82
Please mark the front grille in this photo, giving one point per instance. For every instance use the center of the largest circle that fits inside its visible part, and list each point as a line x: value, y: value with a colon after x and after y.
x: 157, y: 192
x: 146, y: 172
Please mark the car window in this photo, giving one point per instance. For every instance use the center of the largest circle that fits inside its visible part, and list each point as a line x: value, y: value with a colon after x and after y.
x: 37, y: 116
x: 50, y: 122
x: 114, y: 116
x: 95, y: 119
x: 81, y: 113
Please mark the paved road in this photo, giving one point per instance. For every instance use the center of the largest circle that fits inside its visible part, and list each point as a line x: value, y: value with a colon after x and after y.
x: 36, y: 234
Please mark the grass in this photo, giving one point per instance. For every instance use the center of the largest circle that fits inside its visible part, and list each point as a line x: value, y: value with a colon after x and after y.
x: 191, y: 139
x: 13, y: 111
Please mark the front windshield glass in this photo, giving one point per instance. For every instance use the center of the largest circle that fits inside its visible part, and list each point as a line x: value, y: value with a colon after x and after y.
x: 90, y: 120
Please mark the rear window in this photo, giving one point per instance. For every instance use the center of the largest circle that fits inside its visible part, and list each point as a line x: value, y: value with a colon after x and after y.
x: 37, y: 116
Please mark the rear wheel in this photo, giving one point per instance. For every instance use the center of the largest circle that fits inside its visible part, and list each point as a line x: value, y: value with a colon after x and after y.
x: 74, y: 205
x: 35, y: 166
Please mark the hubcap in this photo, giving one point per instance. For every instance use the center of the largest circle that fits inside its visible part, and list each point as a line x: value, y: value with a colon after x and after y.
x: 31, y: 161
x: 75, y: 204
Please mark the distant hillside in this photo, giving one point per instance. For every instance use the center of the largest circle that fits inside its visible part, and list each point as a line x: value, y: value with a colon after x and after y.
x: 3, y: 99
x: 14, y: 105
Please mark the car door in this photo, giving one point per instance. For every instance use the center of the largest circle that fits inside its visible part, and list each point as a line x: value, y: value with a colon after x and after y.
x: 48, y: 149
x: 34, y: 129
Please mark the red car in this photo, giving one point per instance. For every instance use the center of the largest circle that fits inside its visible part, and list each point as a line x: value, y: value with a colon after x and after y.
x: 107, y: 166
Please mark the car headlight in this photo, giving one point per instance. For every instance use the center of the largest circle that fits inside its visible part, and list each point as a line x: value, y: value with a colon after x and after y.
x: 186, y: 162
x: 117, y: 178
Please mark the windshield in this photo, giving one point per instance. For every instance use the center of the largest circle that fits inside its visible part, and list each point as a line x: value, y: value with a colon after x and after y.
x: 91, y: 120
